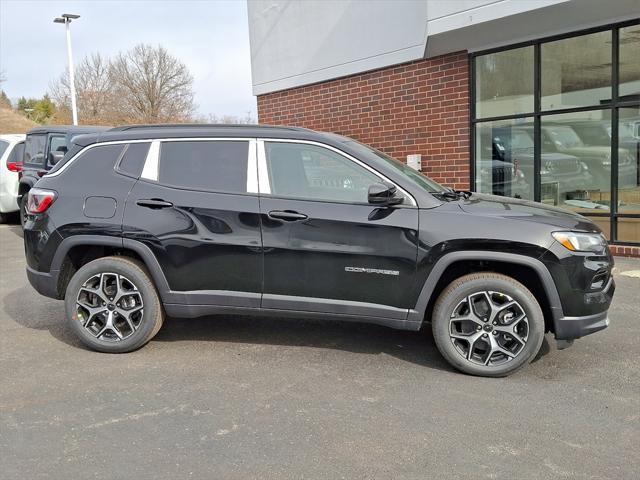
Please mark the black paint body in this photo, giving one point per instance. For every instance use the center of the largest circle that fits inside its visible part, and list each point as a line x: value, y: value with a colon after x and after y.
x: 214, y: 252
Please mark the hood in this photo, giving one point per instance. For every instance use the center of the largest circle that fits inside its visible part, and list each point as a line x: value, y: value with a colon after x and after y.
x: 524, y: 210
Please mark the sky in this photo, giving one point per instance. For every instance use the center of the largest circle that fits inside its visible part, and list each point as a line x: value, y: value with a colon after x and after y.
x: 209, y: 36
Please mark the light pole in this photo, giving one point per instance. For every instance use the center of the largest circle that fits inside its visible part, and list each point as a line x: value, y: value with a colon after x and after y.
x: 66, y: 18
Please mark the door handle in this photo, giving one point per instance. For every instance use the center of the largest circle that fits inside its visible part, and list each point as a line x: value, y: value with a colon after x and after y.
x: 287, y: 215
x: 154, y: 203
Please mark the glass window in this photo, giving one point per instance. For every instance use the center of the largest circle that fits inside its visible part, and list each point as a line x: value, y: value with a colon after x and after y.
x: 57, y: 148
x: 629, y: 160
x: 504, y: 83
x: 629, y: 229
x: 34, y: 149
x: 504, y: 158
x: 367, y: 152
x: 575, y: 163
x: 219, y: 166
x: 576, y: 71
x: 58, y: 144
x: 311, y: 172
x: 3, y: 147
x: 133, y: 159
x: 629, y: 70
x: 17, y: 154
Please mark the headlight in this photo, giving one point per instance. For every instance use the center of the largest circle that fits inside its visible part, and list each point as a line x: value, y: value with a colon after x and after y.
x: 581, y: 242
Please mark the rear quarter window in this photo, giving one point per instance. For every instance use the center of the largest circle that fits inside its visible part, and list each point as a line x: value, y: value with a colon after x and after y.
x: 217, y: 166
x: 94, y: 161
x: 133, y: 159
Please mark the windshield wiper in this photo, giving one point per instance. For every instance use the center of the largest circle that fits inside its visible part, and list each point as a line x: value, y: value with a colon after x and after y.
x: 455, y: 194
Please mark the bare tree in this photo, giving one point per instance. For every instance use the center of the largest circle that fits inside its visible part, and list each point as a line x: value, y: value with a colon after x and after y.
x: 94, y: 89
x: 152, y: 86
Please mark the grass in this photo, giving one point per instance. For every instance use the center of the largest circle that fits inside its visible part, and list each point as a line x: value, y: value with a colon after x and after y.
x: 11, y: 122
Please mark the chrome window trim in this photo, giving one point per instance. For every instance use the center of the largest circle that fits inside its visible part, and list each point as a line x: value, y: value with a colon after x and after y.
x: 89, y: 147
x: 264, y: 175
x: 252, y: 168
x: 264, y: 186
x: 152, y: 162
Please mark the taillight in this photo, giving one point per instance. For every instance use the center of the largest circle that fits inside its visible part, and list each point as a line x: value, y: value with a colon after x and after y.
x: 39, y: 200
x: 14, y: 166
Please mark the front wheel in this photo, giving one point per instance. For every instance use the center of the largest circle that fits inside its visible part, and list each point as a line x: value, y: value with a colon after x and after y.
x: 487, y: 324
x: 113, y: 306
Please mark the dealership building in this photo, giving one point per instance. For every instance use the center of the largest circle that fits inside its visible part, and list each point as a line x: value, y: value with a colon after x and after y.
x: 533, y: 99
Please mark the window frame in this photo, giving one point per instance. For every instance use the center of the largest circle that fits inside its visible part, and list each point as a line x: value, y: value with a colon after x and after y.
x: 264, y: 181
x: 612, y: 105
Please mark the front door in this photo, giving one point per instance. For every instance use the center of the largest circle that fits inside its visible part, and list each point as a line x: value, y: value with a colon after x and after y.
x: 325, y: 248
x: 192, y: 209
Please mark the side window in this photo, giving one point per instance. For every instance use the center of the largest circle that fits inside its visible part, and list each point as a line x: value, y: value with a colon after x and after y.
x: 57, y: 148
x: 17, y: 154
x: 34, y: 149
x: 3, y: 147
x: 218, y: 166
x: 133, y: 159
x: 311, y: 172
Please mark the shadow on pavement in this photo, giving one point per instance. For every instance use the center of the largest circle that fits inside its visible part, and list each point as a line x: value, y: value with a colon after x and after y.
x: 416, y: 347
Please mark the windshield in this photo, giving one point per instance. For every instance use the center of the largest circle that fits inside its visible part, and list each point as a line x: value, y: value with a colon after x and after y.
x: 564, y: 137
x: 424, y: 182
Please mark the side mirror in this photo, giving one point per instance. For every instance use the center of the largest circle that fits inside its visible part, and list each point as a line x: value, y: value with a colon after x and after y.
x: 384, y: 195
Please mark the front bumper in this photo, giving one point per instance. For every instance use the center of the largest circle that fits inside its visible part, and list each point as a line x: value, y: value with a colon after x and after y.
x: 570, y: 328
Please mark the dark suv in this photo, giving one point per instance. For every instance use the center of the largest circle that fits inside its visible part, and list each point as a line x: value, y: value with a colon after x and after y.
x: 44, y: 148
x: 138, y: 223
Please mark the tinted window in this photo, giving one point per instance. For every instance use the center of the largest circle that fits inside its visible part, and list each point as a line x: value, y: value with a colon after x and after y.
x: 3, y: 147
x: 34, y: 149
x: 316, y: 173
x: 17, y: 153
x: 219, y: 166
x: 58, y: 144
x: 133, y: 159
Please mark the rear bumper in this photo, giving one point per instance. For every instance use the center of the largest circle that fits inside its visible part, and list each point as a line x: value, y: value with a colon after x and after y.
x: 45, y: 283
x: 570, y: 328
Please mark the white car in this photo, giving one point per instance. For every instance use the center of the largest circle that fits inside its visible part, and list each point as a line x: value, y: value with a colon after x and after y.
x: 11, y: 151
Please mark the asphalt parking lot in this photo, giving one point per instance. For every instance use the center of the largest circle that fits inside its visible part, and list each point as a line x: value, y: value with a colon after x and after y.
x: 242, y: 398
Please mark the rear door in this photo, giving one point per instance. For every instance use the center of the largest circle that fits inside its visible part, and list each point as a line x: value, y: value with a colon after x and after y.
x: 326, y: 248
x: 196, y: 207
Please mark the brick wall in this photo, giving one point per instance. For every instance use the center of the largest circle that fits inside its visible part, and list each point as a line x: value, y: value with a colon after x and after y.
x: 419, y: 107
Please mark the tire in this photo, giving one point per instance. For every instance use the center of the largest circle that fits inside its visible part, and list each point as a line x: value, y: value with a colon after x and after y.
x: 99, y: 320
x: 23, y: 209
x: 4, y: 217
x: 504, y: 328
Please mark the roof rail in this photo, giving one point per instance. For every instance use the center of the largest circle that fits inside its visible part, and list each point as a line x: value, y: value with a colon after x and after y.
x: 160, y: 126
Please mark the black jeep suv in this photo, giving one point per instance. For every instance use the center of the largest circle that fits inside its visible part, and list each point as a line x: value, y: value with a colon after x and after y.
x: 138, y: 223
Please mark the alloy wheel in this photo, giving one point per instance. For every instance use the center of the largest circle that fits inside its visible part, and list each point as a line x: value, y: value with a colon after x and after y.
x: 109, y: 306
x: 489, y: 328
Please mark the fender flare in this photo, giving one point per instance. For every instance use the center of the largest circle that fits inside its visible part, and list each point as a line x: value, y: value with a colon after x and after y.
x: 145, y: 253
x: 417, y: 314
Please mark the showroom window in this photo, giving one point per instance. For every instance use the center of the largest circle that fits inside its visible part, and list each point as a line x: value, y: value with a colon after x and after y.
x: 557, y: 121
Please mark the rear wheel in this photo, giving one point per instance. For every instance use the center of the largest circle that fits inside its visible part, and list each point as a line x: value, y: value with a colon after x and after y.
x: 113, y: 306
x: 487, y: 324
x: 23, y: 209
